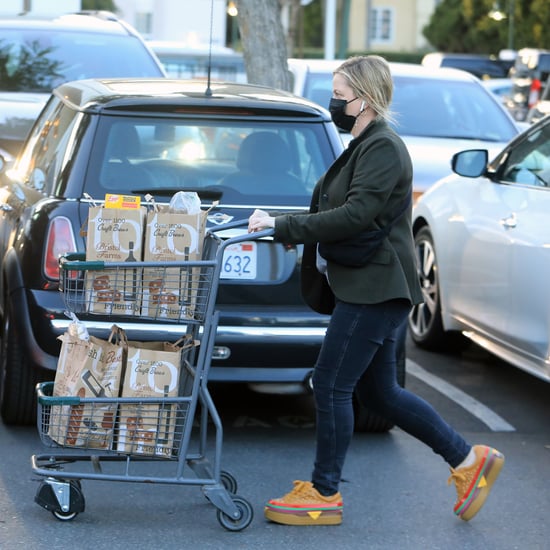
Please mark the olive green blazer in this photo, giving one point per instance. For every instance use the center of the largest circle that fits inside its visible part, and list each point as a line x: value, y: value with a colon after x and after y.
x: 362, y: 190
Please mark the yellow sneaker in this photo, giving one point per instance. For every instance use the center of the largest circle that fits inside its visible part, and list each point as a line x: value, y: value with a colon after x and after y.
x: 473, y: 483
x: 304, y: 505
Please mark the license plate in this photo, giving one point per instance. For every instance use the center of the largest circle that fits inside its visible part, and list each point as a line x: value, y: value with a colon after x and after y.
x: 239, y: 261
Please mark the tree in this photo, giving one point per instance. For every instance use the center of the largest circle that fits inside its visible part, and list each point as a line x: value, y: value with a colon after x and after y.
x: 107, y: 5
x: 465, y: 25
x: 264, y: 42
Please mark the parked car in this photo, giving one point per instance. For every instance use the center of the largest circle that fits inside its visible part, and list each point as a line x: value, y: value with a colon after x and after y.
x: 38, y: 53
x: 482, y: 243
x: 529, y: 75
x: 481, y: 66
x: 501, y: 87
x: 181, y: 60
x: 242, y: 145
x: 541, y: 108
x: 438, y: 112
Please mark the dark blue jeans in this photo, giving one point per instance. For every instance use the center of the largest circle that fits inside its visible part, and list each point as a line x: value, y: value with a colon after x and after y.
x: 360, y: 347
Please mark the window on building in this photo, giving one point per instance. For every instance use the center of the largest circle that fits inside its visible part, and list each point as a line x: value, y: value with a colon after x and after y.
x: 381, y: 25
x: 144, y: 23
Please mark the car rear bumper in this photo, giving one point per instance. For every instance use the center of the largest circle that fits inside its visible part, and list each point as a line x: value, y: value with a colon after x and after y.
x: 252, y: 347
x: 299, y: 347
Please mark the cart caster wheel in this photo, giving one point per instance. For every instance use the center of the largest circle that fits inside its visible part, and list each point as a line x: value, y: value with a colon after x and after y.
x: 228, y: 481
x: 64, y: 516
x: 246, y: 513
x: 54, y: 495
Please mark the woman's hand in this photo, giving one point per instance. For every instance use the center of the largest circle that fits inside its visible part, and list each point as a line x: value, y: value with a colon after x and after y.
x: 260, y: 220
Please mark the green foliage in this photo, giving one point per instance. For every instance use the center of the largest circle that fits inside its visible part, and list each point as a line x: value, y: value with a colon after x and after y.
x: 312, y: 21
x: 28, y: 68
x: 465, y: 26
x: 108, y: 5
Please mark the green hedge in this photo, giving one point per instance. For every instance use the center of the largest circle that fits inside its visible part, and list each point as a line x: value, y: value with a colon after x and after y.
x: 403, y: 57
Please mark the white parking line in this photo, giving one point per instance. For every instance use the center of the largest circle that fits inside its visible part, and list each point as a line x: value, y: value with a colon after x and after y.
x: 495, y: 422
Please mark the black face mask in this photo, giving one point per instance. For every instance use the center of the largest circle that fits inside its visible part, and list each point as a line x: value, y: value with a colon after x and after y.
x: 337, y: 108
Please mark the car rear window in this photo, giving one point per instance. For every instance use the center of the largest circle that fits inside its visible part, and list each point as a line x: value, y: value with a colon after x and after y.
x: 38, y: 61
x: 480, y: 67
x: 244, y: 161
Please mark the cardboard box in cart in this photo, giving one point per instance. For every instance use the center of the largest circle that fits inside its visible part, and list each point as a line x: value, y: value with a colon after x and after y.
x: 152, y: 370
x: 115, y: 234
x: 172, y: 237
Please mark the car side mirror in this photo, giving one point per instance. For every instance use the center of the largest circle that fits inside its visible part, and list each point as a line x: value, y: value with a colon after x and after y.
x: 471, y: 163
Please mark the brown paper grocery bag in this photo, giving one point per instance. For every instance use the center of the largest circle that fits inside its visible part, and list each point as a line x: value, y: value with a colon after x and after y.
x: 87, y: 369
x: 115, y: 235
x: 170, y: 293
x: 153, y: 370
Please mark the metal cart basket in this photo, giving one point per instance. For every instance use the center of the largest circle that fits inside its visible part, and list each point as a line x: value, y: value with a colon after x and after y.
x: 174, y: 292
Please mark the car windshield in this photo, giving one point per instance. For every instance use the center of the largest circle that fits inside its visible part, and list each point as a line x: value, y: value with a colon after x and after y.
x: 434, y: 108
x: 238, y: 161
x: 37, y: 61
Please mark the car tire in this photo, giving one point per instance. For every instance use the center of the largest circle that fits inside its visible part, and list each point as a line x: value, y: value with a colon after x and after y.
x: 425, y: 320
x: 365, y: 419
x: 17, y: 378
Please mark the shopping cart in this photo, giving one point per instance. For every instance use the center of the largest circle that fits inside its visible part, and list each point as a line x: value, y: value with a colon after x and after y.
x: 190, y: 460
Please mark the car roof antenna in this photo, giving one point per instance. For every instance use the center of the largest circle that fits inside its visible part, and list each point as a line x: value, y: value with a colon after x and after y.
x: 208, y: 92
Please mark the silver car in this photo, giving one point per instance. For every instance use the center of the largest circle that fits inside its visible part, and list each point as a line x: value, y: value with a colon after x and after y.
x: 482, y: 239
x: 438, y: 112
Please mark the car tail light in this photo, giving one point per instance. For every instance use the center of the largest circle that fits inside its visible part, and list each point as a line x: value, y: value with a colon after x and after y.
x: 534, y: 92
x: 60, y: 240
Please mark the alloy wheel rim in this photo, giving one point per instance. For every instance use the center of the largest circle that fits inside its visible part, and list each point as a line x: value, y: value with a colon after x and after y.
x: 422, y: 315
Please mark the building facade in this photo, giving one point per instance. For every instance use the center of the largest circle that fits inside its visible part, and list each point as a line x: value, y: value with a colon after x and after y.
x: 380, y: 25
x: 389, y: 25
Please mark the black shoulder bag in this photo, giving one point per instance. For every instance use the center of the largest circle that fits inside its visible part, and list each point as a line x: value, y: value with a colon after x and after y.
x: 357, y: 251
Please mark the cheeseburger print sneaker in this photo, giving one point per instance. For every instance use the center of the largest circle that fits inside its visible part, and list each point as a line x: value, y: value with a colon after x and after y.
x: 473, y: 483
x: 304, y: 505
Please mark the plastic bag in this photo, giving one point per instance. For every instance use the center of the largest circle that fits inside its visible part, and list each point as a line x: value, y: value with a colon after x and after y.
x: 185, y: 202
x: 77, y: 328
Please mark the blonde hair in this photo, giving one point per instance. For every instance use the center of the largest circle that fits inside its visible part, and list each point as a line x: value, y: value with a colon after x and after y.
x: 370, y: 79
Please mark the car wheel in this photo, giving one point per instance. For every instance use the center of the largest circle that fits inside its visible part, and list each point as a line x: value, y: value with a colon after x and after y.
x: 17, y: 378
x: 365, y: 419
x: 425, y: 322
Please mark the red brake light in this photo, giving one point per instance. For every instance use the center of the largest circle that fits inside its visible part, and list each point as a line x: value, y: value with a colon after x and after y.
x: 60, y: 240
x: 534, y: 92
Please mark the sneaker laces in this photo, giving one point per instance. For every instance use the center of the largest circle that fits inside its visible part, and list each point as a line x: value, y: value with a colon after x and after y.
x: 461, y: 479
x: 303, y: 491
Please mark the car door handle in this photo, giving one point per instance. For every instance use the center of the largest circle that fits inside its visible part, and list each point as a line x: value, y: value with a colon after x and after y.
x: 5, y: 207
x: 509, y: 222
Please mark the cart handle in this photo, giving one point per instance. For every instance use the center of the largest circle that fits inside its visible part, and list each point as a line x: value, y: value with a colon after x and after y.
x: 240, y: 238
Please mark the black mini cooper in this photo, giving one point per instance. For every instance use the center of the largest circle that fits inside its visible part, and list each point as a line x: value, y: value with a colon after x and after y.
x: 240, y: 146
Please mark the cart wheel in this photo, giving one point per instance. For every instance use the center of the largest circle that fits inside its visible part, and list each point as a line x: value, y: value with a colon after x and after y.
x: 228, y: 481
x: 77, y: 502
x: 246, y: 513
x: 64, y: 516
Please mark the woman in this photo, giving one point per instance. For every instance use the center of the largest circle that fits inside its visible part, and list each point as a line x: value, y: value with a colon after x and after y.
x: 365, y: 190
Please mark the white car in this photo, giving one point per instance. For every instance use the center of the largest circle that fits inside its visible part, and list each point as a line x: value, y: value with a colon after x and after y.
x: 482, y: 240
x: 438, y: 112
x: 38, y: 53
x: 182, y: 60
x: 501, y: 87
